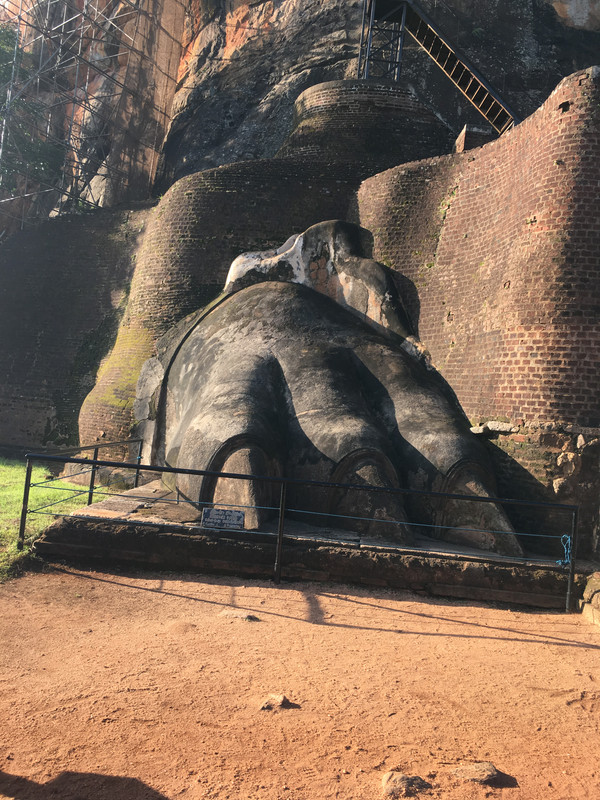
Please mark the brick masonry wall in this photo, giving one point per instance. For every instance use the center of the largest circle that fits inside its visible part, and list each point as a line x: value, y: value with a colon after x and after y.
x: 63, y: 288
x: 404, y: 208
x: 499, y: 249
x: 502, y: 246
x: 364, y: 121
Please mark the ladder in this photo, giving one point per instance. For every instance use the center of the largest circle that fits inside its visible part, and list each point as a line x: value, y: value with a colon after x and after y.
x: 385, y: 25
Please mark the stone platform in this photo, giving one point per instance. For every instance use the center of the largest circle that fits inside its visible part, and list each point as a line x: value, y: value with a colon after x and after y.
x: 145, y: 527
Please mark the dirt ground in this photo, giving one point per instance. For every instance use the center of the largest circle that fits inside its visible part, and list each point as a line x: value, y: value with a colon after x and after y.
x: 133, y: 686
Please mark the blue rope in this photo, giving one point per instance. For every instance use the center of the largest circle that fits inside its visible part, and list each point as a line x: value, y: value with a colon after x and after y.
x: 424, y: 524
x: 565, y: 540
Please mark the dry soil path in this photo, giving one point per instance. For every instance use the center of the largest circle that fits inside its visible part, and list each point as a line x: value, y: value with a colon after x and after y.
x: 127, y: 687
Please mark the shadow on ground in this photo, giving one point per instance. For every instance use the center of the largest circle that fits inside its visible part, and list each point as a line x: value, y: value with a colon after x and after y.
x: 78, y: 786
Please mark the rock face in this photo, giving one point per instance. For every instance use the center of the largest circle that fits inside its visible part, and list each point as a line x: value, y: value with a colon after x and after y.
x: 89, y: 103
x: 478, y: 772
x: 579, y: 13
x: 228, y: 73
x: 300, y: 370
x: 243, y: 67
x: 245, y: 63
x: 397, y: 784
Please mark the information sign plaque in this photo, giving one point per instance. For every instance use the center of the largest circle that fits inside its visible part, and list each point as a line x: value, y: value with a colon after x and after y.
x: 222, y: 518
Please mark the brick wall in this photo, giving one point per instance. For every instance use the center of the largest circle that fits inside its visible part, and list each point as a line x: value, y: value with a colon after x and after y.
x: 497, y: 253
x: 502, y: 246
x: 63, y: 288
x: 368, y: 122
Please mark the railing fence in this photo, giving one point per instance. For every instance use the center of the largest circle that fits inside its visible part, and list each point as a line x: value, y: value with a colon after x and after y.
x: 564, y: 533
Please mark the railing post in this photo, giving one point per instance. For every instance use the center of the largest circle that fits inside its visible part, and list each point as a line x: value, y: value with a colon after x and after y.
x: 21, y: 539
x: 138, y: 459
x: 571, y: 579
x: 401, y: 44
x: 279, y: 552
x: 363, y: 44
x: 93, y: 477
x: 369, y: 40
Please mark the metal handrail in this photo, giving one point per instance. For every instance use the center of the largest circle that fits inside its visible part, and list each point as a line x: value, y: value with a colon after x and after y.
x: 283, y: 482
x: 77, y: 449
x: 53, y: 456
x: 301, y: 482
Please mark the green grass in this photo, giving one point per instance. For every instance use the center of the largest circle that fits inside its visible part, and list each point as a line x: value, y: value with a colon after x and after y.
x: 12, y: 481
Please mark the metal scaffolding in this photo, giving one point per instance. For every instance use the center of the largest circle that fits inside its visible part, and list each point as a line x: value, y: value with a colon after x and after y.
x: 384, y: 28
x: 75, y: 77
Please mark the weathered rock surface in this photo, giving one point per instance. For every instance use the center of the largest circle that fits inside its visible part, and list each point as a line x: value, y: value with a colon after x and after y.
x: 274, y: 702
x: 244, y: 64
x: 478, y: 772
x: 397, y: 784
x: 302, y: 372
x: 591, y: 598
x: 328, y: 258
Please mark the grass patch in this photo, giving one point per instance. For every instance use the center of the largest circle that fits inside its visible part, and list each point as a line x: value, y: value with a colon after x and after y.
x: 12, y: 482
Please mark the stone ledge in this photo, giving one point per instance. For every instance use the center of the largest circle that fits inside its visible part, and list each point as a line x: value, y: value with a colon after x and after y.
x: 175, y: 547
x: 589, y: 605
x: 590, y: 614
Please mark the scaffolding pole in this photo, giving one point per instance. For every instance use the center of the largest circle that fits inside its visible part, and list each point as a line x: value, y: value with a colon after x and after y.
x: 75, y: 76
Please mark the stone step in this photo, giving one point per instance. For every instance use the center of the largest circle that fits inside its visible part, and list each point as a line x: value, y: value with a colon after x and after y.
x: 323, y: 556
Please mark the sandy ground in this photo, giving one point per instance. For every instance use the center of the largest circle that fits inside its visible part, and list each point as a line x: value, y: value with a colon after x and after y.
x: 128, y: 686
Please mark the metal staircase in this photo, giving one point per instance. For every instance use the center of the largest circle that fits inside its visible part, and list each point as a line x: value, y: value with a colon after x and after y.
x: 385, y: 25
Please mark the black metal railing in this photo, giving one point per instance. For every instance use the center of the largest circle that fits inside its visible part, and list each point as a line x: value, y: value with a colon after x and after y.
x: 562, y: 533
x: 61, y: 456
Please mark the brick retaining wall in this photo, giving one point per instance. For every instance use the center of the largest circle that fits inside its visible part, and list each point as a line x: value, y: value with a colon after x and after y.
x: 502, y: 246
x: 64, y: 288
x: 368, y: 122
